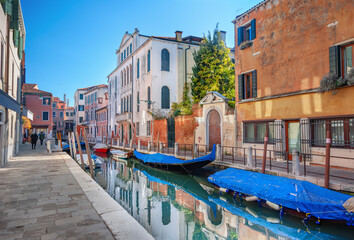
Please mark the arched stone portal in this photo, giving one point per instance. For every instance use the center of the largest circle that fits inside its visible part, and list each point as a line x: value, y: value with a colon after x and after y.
x: 214, y: 128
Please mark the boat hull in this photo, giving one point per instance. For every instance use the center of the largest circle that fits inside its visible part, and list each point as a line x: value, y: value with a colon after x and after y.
x: 179, y: 168
x: 101, y: 150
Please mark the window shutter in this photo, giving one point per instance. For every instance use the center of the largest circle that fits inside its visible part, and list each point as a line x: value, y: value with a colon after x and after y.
x: 349, y: 57
x: 254, y: 83
x: 334, y: 66
x: 240, y: 86
x: 253, y: 29
x: 16, y: 37
x: 149, y: 104
x: 165, y: 98
x: 239, y: 35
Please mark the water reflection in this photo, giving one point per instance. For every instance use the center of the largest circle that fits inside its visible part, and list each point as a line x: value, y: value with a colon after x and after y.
x: 179, y: 206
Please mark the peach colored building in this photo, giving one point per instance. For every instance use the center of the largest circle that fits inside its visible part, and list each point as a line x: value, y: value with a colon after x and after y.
x: 283, y: 49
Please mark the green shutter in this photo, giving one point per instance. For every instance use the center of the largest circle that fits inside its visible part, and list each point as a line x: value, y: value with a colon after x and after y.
x: 16, y: 34
x: 20, y: 47
x: 254, y: 84
x: 241, y: 87
x: 7, y: 5
x: 334, y: 63
x: 349, y: 56
x: 14, y: 24
x: 253, y: 29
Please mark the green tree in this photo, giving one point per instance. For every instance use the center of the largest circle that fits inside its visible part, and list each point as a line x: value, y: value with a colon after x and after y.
x: 213, y: 69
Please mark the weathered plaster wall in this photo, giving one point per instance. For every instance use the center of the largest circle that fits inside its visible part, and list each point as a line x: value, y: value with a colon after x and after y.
x: 290, y: 51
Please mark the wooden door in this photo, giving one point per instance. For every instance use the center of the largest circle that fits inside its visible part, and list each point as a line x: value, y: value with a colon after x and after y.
x: 214, y: 128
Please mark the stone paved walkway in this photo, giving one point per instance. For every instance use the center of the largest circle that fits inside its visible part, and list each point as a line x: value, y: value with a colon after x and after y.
x: 41, y: 199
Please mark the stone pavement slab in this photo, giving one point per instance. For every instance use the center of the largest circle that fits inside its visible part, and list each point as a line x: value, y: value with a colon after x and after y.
x: 48, y: 196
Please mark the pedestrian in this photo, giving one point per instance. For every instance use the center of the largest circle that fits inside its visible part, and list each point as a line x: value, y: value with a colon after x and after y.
x: 34, y: 138
x: 41, y: 137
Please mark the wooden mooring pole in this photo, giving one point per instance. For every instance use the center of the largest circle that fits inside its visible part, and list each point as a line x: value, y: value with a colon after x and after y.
x: 327, y: 164
x: 265, y: 151
x: 71, y: 151
x: 88, y: 152
x: 74, y: 145
x: 80, y: 151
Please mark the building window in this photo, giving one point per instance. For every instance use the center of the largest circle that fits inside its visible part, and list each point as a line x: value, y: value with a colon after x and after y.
x: 67, y: 114
x: 81, y: 108
x: 125, y: 54
x: 81, y: 96
x: 61, y: 115
x: 341, y: 130
x: 165, y: 98
x: 254, y: 132
x: 54, y: 105
x: 148, y: 128
x: 341, y: 59
x: 130, y: 48
x: 148, y: 61
x: 45, y: 116
x: 46, y: 101
x: 121, y: 105
x: 247, y: 85
x: 165, y: 60
x: 138, y: 69
x: 130, y: 102
x: 54, y: 113
x: 81, y: 119
x: 124, y: 106
x: 246, y: 33
x: 85, y: 100
x: 137, y: 128
x: 137, y: 102
x: 149, y: 97
x: 121, y: 57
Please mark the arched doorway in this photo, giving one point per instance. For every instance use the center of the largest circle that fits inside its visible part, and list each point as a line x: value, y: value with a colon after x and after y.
x: 214, y: 128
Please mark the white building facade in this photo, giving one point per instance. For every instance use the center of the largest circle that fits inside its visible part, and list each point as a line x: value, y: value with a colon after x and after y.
x: 12, y: 44
x: 150, y: 75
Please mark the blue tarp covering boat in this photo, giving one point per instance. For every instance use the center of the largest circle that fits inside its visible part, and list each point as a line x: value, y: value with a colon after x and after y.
x: 279, y: 229
x: 290, y: 193
x: 172, y: 163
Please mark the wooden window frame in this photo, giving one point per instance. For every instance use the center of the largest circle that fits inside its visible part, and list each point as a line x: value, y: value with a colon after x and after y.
x: 246, y: 85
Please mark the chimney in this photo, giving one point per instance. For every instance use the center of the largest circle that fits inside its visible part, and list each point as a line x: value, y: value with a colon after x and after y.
x: 223, y: 37
x: 67, y: 102
x: 64, y: 98
x: 178, y: 36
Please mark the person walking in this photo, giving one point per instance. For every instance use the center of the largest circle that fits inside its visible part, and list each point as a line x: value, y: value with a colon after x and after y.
x: 34, y: 138
x: 41, y: 137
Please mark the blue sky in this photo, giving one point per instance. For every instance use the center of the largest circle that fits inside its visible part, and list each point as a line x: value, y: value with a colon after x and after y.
x: 71, y: 44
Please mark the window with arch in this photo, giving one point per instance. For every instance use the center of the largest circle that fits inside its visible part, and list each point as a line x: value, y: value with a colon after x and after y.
x: 130, y: 102
x: 165, y: 60
x: 137, y: 102
x: 131, y: 73
x: 148, y: 61
x: 128, y: 79
x: 138, y: 69
x: 124, y: 105
x: 121, y: 77
x: 165, y: 97
x: 149, y: 97
x: 115, y: 84
x: 121, y: 105
x: 125, y: 77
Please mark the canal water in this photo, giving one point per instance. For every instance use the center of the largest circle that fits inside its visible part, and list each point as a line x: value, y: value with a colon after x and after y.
x: 180, y: 206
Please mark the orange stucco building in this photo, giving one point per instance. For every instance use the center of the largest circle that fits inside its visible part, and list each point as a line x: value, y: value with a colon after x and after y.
x: 282, y: 51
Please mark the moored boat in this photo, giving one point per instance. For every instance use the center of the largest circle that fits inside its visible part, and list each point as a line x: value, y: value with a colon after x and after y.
x: 289, y: 194
x: 100, y: 147
x: 121, y: 154
x: 95, y: 161
x: 171, y: 163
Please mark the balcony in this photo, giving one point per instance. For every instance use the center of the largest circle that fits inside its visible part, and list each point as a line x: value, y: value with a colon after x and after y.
x: 123, y: 117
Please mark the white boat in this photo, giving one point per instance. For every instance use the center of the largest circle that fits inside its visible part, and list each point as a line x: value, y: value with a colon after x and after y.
x: 120, y: 154
x: 95, y: 161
